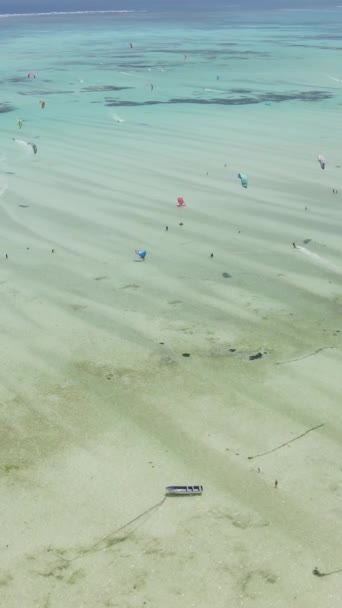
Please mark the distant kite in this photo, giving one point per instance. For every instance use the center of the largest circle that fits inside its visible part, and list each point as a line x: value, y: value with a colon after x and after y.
x: 244, y: 179
x: 181, y: 202
x: 141, y: 253
x: 321, y: 161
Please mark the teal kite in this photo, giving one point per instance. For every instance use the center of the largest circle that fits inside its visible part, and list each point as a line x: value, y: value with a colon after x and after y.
x: 244, y: 179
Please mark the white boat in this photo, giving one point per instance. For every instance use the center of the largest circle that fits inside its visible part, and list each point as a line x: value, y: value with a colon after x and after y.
x: 184, y: 490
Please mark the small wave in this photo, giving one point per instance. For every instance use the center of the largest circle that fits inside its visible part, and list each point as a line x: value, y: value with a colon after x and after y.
x: 335, y: 79
x: 53, y: 13
x: 3, y: 189
x: 214, y: 90
x: 319, y: 260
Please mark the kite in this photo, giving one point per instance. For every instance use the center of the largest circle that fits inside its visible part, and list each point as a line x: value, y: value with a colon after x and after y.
x: 22, y: 142
x: 181, y: 202
x: 244, y: 179
x: 141, y: 253
x: 321, y: 161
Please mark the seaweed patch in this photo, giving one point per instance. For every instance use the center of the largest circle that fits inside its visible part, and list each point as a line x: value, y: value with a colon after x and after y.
x: 304, y: 96
x: 42, y: 93
x: 104, y: 87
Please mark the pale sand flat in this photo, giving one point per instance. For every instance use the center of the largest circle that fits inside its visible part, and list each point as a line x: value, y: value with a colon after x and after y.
x: 98, y: 417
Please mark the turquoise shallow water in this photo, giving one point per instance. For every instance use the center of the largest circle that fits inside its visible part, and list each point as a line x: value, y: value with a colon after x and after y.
x: 231, y: 60
x: 184, y: 71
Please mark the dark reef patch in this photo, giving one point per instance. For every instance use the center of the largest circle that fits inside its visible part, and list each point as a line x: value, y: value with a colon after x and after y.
x: 43, y: 93
x: 118, y: 102
x: 304, y: 96
x: 137, y: 65
x: 207, y: 52
x: 241, y: 91
x: 6, y: 107
x: 104, y: 87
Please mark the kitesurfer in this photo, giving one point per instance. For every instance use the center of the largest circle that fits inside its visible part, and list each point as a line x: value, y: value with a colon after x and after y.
x: 42, y: 104
x: 294, y: 245
x: 20, y: 123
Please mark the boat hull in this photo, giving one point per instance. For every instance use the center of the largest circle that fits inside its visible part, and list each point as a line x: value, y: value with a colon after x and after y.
x: 184, y: 490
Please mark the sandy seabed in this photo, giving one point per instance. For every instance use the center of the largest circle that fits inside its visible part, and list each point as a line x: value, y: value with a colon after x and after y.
x: 99, y: 409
